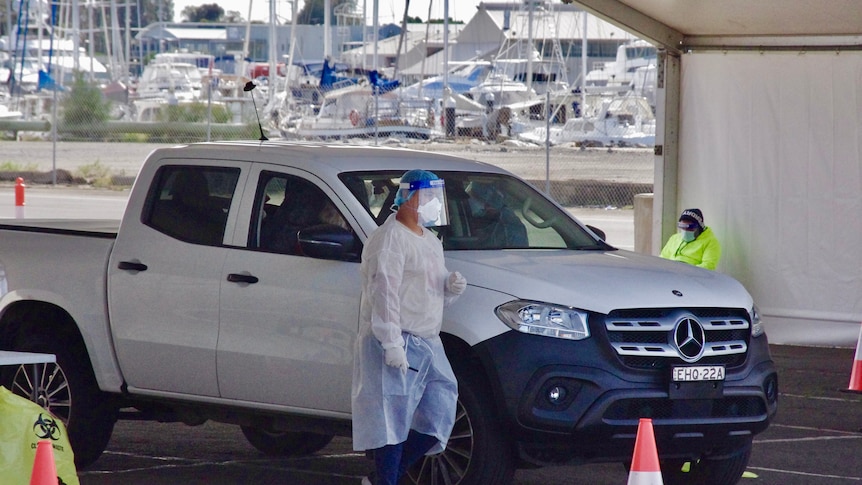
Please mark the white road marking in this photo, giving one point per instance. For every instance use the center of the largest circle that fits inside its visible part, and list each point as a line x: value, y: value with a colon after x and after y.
x: 820, y: 398
x: 804, y: 474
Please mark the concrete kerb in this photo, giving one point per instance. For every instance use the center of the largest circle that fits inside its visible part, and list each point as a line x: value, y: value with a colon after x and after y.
x: 64, y: 177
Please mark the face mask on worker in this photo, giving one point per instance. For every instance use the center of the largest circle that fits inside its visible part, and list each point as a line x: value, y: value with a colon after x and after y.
x: 689, y: 230
x: 429, y: 213
x: 431, y: 201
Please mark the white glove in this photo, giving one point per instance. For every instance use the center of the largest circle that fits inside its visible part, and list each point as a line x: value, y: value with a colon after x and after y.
x: 456, y: 283
x: 396, y: 357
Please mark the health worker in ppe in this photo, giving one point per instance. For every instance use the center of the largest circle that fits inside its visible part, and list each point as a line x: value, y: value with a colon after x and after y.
x: 404, y: 391
x: 695, y: 243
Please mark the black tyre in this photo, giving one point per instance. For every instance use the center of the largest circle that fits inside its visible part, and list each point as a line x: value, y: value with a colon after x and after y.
x: 478, y: 452
x: 285, y: 443
x: 69, y: 390
x: 721, y: 469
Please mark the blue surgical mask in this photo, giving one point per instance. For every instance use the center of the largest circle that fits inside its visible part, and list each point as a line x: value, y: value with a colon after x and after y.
x: 688, y: 236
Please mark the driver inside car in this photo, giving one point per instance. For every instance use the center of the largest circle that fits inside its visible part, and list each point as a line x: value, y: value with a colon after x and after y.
x: 492, y: 222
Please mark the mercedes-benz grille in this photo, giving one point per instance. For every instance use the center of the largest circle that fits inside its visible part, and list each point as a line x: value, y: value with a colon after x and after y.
x: 658, y: 338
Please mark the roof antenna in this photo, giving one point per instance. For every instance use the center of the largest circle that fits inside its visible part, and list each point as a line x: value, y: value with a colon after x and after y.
x: 248, y: 87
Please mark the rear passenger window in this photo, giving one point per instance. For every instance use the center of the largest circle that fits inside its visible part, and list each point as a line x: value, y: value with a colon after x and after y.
x: 191, y: 203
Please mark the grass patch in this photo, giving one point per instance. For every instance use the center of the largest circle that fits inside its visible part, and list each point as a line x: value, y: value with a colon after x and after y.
x: 17, y: 167
x: 95, y: 174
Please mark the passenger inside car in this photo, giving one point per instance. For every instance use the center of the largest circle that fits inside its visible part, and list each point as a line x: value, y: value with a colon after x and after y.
x: 493, y: 223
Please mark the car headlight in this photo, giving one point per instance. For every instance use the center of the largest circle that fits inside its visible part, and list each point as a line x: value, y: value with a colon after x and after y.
x: 544, y: 319
x: 757, y: 328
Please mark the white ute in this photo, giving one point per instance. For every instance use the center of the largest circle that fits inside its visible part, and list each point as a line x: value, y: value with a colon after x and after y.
x: 230, y: 292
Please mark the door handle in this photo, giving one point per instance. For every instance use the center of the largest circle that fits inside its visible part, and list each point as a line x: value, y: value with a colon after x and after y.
x: 242, y: 278
x: 132, y: 266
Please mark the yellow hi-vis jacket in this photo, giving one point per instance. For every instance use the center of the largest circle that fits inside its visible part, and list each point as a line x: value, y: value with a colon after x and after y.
x: 704, y: 251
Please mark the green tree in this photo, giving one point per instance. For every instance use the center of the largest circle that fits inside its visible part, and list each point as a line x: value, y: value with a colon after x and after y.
x: 233, y: 17
x: 84, y: 104
x: 208, y: 12
x: 312, y: 12
x: 155, y: 11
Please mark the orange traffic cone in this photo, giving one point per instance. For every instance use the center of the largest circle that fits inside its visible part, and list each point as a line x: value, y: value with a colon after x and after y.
x: 645, y: 468
x: 856, y: 373
x: 44, y: 468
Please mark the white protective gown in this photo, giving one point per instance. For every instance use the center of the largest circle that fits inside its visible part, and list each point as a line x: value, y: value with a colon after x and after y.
x: 403, y: 295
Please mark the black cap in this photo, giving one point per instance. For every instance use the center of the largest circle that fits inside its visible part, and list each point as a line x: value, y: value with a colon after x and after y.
x: 693, y: 215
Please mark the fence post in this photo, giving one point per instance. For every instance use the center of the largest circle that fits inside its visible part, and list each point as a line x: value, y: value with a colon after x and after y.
x: 643, y: 223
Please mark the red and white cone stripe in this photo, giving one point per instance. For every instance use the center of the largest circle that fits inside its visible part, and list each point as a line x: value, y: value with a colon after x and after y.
x: 856, y: 373
x: 645, y: 468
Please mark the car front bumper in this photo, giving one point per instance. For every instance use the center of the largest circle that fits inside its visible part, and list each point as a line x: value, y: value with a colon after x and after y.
x: 575, y: 401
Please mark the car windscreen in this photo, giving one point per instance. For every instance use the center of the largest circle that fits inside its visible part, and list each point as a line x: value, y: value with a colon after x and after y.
x: 486, y: 211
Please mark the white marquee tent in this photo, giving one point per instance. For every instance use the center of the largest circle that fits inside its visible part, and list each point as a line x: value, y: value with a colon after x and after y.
x: 762, y: 110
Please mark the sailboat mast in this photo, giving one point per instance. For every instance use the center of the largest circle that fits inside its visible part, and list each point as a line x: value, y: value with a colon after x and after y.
x: 583, y: 62
x: 401, y: 38
x: 425, y: 57
x: 530, y: 45
x: 327, y: 29
x: 240, y: 72
x: 375, y: 24
x: 273, y: 53
x: 445, y: 48
x: 364, y: 35
x: 76, y: 32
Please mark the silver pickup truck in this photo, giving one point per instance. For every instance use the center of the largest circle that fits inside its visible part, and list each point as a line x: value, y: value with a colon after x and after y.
x: 230, y: 292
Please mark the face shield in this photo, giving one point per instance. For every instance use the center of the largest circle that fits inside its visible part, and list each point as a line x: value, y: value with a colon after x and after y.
x: 431, y: 201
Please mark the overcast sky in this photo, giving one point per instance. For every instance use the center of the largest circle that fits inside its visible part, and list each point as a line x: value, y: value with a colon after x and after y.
x: 390, y: 10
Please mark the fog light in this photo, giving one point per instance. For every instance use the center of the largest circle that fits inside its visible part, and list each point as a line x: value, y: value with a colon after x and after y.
x: 557, y: 395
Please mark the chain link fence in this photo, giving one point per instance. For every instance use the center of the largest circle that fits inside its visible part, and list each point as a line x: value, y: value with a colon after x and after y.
x: 82, y: 136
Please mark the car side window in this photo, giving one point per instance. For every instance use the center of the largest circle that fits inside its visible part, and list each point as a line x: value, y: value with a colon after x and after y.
x: 285, y: 205
x: 191, y: 203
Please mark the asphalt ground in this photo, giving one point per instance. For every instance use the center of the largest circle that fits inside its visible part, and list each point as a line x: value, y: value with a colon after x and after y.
x: 816, y: 439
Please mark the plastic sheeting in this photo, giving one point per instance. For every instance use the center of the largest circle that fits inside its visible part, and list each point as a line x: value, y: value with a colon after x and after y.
x: 770, y: 148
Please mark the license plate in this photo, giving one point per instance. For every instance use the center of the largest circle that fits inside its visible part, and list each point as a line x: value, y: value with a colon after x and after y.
x: 698, y: 373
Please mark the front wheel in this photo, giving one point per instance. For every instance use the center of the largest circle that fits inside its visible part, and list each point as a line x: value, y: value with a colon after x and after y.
x: 478, y: 452
x: 68, y: 389
x: 285, y: 443
x: 721, y: 469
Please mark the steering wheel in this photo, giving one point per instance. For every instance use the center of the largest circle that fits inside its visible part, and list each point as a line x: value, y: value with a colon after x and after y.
x: 531, y: 217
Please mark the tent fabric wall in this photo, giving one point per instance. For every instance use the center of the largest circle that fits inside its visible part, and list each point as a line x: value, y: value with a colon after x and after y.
x: 770, y: 148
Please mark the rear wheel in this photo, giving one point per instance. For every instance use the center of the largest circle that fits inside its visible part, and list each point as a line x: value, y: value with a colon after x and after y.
x: 477, y: 453
x: 285, y: 443
x: 69, y: 390
x: 719, y: 469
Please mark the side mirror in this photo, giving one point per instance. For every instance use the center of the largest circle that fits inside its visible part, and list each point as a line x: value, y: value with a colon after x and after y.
x: 327, y: 241
x: 598, y: 232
